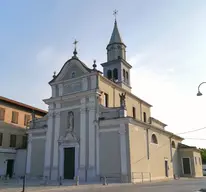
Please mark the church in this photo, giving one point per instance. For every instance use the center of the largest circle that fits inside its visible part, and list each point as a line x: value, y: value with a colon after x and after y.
x: 96, y: 127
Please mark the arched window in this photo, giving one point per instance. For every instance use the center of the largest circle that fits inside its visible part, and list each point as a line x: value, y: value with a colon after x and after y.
x: 109, y: 74
x: 115, y: 73
x: 73, y: 75
x: 144, y: 117
x: 70, y: 125
x: 124, y: 76
x: 154, y: 139
x: 127, y: 76
x: 173, y: 144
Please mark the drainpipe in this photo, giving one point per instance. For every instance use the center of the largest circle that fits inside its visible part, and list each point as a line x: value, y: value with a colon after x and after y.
x: 140, y: 110
x: 170, y: 139
x: 147, y: 140
x: 113, y: 96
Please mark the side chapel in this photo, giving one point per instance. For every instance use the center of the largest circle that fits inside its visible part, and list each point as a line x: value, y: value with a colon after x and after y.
x: 96, y: 127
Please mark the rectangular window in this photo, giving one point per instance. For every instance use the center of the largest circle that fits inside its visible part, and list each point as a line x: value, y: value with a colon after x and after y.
x: 15, y: 116
x: 134, y: 112
x: 2, y: 114
x: 196, y: 160
x: 24, y: 142
x: 12, y: 140
x: 106, y: 100
x: 1, y: 139
x: 145, y: 117
x: 27, y: 119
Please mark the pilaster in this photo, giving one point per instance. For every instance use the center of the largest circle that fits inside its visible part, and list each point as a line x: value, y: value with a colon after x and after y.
x: 60, y: 89
x: 84, y: 83
x: 28, y: 158
x: 92, y: 136
x: 48, y: 143
x: 123, y: 152
x: 61, y: 162
x: 82, y: 168
x: 54, y: 173
x: 97, y: 148
x: 93, y: 82
x: 53, y: 90
x: 147, y: 144
x: 170, y: 141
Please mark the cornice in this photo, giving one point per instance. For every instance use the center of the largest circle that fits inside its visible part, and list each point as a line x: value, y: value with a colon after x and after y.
x: 152, y: 127
x: 158, y: 121
x: 70, y: 97
x: 73, y: 80
x: 143, y: 125
x: 37, y: 130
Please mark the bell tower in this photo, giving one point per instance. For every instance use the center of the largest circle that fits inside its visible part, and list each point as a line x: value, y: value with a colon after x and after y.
x: 117, y: 69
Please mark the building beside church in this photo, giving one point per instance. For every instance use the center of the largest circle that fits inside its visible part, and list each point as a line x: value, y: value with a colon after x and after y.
x: 14, y: 118
x: 96, y: 127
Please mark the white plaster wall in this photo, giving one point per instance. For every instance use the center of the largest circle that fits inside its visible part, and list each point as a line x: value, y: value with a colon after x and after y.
x: 20, y: 163
x: 37, y: 157
x: 175, y: 161
x: 110, y: 161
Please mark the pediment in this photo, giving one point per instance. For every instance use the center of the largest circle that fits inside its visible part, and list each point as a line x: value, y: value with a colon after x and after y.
x: 68, y: 137
x: 73, y: 68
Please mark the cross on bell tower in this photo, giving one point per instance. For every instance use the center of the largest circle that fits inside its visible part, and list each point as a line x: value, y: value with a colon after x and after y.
x: 115, y: 14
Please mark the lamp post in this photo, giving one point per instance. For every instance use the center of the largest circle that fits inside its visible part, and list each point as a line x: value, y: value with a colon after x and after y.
x: 198, y: 92
x: 24, y: 177
x: 28, y: 125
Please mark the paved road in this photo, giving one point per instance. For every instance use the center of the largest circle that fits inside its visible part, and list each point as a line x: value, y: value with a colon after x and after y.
x: 182, y: 185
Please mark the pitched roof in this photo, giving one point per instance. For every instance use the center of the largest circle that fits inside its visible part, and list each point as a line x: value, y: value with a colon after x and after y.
x: 181, y: 145
x: 115, y: 38
x: 17, y: 103
x: 73, y: 58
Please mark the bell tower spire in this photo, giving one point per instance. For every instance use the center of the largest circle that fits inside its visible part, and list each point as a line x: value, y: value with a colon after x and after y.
x: 117, y: 69
x: 116, y: 48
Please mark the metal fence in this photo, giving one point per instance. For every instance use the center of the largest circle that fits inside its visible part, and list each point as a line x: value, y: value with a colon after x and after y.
x: 113, y: 178
x: 141, y: 177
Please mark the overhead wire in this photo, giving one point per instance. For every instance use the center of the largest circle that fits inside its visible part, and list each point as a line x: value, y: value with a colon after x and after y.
x: 191, y: 131
x: 196, y: 138
x: 150, y: 153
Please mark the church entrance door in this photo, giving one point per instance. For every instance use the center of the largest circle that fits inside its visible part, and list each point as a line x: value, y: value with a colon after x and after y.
x: 69, y: 162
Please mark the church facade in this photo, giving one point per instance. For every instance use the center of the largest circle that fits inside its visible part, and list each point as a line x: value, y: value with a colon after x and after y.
x: 96, y: 127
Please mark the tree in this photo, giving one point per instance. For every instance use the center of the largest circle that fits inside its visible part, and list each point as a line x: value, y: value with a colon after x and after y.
x: 203, y: 155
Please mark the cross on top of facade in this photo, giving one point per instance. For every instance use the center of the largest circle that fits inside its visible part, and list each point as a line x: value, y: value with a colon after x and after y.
x: 75, y: 44
x: 75, y: 48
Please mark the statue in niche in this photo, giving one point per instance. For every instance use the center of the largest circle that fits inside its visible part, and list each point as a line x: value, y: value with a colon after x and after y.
x: 100, y: 98
x: 69, y: 132
x: 122, y: 99
x: 70, y: 122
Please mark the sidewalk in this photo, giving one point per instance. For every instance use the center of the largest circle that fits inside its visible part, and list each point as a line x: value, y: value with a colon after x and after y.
x: 14, y: 186
x: 37, y: 185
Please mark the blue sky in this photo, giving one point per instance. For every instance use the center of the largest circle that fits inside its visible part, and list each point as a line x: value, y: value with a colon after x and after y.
x: 166, y: 44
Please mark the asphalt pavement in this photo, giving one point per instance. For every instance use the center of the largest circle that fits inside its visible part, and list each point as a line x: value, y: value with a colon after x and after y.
x: 182, y: 185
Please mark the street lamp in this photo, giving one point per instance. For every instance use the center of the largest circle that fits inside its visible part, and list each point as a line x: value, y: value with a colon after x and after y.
x: 24, y: 177
x: 199, y: 93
